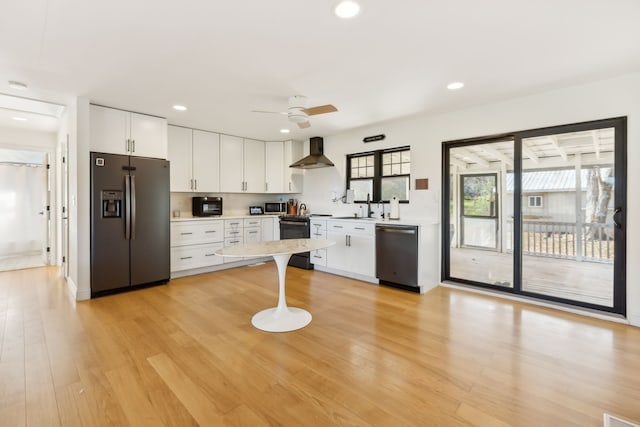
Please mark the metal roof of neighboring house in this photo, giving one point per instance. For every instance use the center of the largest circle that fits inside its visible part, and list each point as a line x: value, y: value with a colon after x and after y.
x: 552, y: 180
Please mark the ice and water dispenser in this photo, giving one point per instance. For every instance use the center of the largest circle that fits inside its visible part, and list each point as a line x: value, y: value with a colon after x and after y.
x: 112, y: 203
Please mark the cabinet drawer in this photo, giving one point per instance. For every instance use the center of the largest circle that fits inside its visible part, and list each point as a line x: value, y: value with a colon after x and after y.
x: 252, y: 222
x: 252, y: 234
x: 196, y: 232
x: 233, y: 232
x: 351, y: 227
x: 319, y: 257
x: 318, y: 229
x: 232, y: 241
x: 196, y: 256
x: 233, y: 223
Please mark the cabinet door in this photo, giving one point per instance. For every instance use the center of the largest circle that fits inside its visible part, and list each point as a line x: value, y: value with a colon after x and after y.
x: 319, y: 257
x: 338, y: 254
x: 206, y: 161
x: 362, y: 255
x: 293, y: 177
x: 254, y: 166
x: 231, y: 164
x: 179, y: 142
x: 267, y: 229
x: 274, y: 166
x: 252, y: 234
x: 149, y: 136
x: 108, y: 130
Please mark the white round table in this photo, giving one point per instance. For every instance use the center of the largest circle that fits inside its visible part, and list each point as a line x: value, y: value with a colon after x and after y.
x: 280, y: 318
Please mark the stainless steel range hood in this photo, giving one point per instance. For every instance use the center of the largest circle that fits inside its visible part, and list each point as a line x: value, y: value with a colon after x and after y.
x: 316, y: 158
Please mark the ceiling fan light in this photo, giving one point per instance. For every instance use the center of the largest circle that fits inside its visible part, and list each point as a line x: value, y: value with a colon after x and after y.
x: 297, y: 116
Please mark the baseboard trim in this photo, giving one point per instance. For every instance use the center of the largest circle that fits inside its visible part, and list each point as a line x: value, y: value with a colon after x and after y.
x: 71, y: 286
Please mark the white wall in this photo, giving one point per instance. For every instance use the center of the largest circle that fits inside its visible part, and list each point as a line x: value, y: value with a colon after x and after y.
x: 425, y: 134
x: 23, y: 139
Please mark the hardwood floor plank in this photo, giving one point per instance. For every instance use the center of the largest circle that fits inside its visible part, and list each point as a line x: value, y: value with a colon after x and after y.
x: 132, y: 397
x: 186, y: 354
x: 197, y: 402
x: 479, y: 418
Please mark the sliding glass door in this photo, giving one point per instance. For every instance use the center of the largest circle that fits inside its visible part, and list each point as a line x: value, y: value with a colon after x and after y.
x: 479, y: 249
x: 540, y: 213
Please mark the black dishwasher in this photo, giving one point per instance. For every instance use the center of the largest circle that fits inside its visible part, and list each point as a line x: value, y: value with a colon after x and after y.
x: 397, y: 256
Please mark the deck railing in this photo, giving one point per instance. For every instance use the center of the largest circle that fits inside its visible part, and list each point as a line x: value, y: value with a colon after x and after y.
x: 592, y: 242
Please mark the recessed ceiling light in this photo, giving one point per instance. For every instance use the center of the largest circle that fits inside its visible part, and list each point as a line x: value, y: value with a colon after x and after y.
x: 455, y: 85
x: 347, y: 9
x: 180, y: 107
x: 284, y: 131
x: 19, y: 119
x: 17, y: 85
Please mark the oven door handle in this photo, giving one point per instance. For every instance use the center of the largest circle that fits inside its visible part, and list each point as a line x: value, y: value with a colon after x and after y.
x: 296, y: 223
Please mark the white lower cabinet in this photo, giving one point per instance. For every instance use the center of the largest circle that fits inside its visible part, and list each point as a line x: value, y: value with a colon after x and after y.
x: 319, y: 231
x: 195, y: 241
x: 354, y: 251
x: 233, y: 235
x: 193, y: 244
x: 195, y: 256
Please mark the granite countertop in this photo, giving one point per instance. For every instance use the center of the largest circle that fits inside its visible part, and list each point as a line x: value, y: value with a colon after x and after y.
x: 407, y: 221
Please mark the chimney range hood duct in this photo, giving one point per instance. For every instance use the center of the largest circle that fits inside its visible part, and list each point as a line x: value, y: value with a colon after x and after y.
x: 316, y: 158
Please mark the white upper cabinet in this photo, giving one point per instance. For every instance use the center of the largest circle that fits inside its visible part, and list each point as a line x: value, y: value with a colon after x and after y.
x: 180, y: 159
x: 122, y: 132
x: 241, y: 165
x: 274, y: 167
x: 195, y: 160
x: 254, y: 166
x: 293, y: 178
x: 148, y: 136
x: 232, y: 164
x: 206, y: 161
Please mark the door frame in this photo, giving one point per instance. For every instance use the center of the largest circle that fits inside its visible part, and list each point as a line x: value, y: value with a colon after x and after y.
x: 496, y: 210
x: 619, y: 124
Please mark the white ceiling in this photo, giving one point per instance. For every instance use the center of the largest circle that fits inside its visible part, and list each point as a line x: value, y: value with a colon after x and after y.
x: 225, y: 58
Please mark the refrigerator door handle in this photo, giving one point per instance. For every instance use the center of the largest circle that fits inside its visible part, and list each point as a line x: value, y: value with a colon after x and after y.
x: 133, y: 207
x: 127, y: 209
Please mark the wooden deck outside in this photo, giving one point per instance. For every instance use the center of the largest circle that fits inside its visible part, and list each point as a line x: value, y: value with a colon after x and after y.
x: 585, y: 281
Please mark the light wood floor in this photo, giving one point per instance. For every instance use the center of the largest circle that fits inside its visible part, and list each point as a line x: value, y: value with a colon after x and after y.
x: 186, y: 354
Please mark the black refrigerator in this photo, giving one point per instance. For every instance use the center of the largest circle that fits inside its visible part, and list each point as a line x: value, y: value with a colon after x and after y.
x: 129, y: 222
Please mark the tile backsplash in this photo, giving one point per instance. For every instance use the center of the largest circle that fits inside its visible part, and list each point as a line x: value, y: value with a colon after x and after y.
x: 232, y: 203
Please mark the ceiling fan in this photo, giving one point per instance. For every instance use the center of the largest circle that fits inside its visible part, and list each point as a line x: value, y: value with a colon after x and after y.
x: 299, y: 113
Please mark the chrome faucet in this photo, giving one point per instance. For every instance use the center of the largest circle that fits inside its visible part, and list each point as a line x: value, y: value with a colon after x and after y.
x: 369, y: 211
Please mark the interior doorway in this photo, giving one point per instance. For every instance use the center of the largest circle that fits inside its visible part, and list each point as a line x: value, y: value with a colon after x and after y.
x: 25, y: 220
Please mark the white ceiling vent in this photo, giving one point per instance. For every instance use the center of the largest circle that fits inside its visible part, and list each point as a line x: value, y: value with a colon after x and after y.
x: 611, y: 421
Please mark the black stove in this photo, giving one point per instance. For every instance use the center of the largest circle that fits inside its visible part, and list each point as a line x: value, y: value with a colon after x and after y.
x: 297, y: 227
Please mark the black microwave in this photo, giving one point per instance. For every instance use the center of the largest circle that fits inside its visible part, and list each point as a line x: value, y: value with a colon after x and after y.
x: 206, y: 206
x: 275, y: 207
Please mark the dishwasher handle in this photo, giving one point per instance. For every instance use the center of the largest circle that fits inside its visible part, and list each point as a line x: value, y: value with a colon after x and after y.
x: 397, y: 230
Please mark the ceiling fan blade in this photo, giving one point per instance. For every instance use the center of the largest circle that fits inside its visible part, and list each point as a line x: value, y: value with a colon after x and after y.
x: 269, y: 112
x: 304, y: 125
x: 320, y: 109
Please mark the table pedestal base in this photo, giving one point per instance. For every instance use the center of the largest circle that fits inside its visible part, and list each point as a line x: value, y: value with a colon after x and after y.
x: 289, y: 319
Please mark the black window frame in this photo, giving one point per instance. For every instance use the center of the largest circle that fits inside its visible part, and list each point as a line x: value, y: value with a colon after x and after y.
x: 377, y: 172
